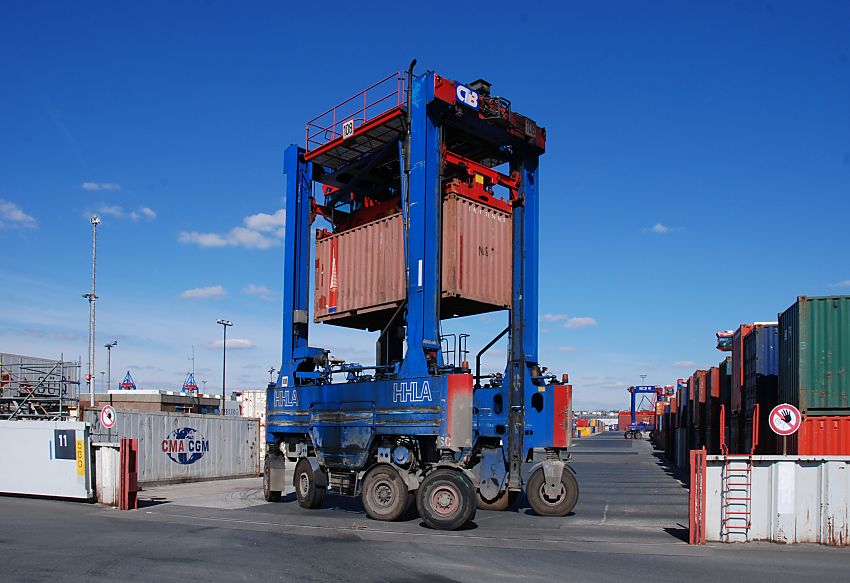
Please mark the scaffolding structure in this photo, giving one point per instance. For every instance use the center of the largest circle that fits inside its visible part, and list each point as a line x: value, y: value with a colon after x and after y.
x: 37, y: 388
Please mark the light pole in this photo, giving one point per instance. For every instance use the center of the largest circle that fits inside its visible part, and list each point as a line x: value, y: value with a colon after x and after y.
x: 91, y: 297
x: 109, y: 348
x: 224, y: 325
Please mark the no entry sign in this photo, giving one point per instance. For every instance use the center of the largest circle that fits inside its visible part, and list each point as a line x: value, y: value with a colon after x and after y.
x: 785, y: 419
x: 107, y: 417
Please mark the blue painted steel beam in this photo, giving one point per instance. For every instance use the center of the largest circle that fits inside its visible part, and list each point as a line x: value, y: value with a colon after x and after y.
x: 296, y: 265
x: 423, y: 235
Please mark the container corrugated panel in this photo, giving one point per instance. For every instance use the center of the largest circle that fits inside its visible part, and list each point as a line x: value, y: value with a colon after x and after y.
x: 761, y: 368
x: 360, y: 270
x: 725, y: 377
x: 738, y: 366
x: 180, y: 447
x: 359, y: 273
x: 477, y: 252
x: 713, y: 383
x: 824, y: 436
x: 814, y: 355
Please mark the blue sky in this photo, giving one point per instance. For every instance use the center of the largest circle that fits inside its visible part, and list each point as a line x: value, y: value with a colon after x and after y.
x: 697, y: 173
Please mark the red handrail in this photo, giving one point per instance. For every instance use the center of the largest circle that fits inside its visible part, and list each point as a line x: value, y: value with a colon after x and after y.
x: 327, y: 126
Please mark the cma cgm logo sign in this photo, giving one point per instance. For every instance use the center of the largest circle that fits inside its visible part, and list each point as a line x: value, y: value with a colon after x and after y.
x: 411, y: 392
x: 185, y: 446
x: 467, y: 96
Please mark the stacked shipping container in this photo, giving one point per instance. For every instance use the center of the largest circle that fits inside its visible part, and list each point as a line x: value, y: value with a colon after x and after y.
x: 814, y: 357
x: 803, y: 360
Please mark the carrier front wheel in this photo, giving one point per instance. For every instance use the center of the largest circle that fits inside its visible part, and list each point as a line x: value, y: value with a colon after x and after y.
x: 446, y: 499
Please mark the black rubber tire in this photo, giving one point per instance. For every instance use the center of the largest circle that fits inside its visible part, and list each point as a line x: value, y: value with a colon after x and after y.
x: 638, y: 435
x: 627, y: 435
x: 308, y: 494
x: 268, y: 494
x: 543, y: 506
x: 384, y: 494
x: 504, y: 501
x: 446, y: 499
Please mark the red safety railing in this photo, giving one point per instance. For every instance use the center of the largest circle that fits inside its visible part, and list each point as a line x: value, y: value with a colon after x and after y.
x: 696, y: 502
x: 387, y: 94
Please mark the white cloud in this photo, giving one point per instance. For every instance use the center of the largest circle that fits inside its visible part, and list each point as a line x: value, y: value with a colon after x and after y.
x: 111, y: 211
x: 684, y: 364
x: 119, y: 212
x: 553, y: 317
x: 660, y: 229
x: 232, y: 344
x: 12, y: 216
x: 842, y: 283
x: 203, y: 293
x: 259, y: 291
x: 100, y: 186
x: 580, y: 322
x: 261, y: 231
x: 203, y: 239
x: 265, y: 223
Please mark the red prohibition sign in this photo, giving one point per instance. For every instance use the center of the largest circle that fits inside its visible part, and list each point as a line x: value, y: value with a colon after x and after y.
x: 785, y: 419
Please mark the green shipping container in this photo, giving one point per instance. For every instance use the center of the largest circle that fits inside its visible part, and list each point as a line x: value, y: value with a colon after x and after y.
x: 814, y: 355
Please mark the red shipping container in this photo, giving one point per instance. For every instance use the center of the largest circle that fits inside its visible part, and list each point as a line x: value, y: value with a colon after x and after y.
x: 699, y: 379
x: 738, y: 365
x: 359, y: 273
x: 714, y: 374
x: 625, y: 418
x: 823, y: 436
x: 581, y: 423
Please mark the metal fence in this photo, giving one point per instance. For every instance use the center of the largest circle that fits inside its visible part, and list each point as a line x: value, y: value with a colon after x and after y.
x: 793, y: 499
x: 182, y: 447
x: 37, y: 388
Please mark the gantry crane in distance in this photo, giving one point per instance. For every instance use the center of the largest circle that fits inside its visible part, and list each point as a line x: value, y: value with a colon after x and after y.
x: 636, y: 428
x: 405, y: 178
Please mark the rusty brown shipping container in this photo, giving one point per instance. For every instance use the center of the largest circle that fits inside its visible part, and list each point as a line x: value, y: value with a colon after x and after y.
x: 360, y: 280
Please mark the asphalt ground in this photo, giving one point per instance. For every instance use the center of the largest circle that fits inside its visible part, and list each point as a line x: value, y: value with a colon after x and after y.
x: 630, y: 525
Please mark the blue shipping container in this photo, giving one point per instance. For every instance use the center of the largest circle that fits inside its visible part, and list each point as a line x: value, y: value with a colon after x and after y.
x: 761, y: 368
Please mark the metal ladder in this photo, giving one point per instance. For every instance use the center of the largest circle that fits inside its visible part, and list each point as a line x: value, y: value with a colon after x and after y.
x: 737, y: 497
x: 736, y: 512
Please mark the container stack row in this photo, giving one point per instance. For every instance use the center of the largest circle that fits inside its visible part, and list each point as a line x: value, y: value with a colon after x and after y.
x: 802, y: 360
x: 586, y: 427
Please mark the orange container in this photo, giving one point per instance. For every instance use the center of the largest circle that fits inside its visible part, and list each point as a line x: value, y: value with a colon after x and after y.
x: 360, y: 280
x: 823, y: 436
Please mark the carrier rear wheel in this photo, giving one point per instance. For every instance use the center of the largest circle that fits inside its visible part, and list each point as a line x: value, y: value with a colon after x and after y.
x: 309, y: 495
x: 561, y: 503
x: 502, y: 502
x: 384, y: 495
x: 446, y: 499
x: 268, y: 494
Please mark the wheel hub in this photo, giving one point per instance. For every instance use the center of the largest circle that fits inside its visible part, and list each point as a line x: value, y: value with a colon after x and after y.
x: 383, y: 494
x: 445, y: 500
x: 562, y: 492
x: 304, y: 484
